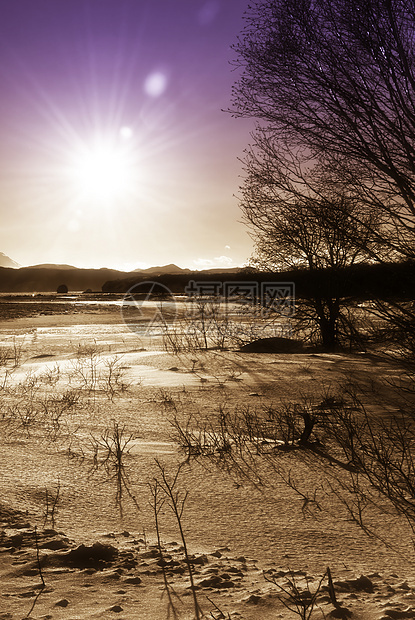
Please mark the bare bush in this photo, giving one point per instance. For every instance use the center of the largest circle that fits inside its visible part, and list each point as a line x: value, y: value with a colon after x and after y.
x: 221, y: 324
x: 84, y: 372
x: 157, y: 502
x: 175, y: 499
x: 364, y: 460
x: 112, y: 379
x: 51, y: 505
x: 109, y: 452
x: 94, y: 373
x: 301, y: 601
x: 55, y: 406
x: 50, y: 375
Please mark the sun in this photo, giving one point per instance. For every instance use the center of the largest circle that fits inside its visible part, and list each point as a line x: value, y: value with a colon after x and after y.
x: 103, y: 171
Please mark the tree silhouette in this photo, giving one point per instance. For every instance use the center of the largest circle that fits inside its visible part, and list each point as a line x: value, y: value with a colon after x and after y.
x: 334, y: 83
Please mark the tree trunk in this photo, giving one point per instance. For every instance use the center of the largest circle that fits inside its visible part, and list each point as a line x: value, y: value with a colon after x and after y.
x: 328, y: 316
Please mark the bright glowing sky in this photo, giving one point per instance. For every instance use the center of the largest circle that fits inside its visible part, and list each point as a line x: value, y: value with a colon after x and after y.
x: 114, y: 150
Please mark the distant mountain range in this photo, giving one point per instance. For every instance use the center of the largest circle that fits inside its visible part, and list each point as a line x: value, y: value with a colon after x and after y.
x: 46, y: 278
x: 162, y: 270
x: 360, y: 281
x: 51, y: 266
x: 6, y: 261
x: 171, y: 269
x: 150, y: 270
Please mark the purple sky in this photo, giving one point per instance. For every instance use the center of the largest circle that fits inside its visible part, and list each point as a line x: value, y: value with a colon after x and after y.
x: 114, y: 150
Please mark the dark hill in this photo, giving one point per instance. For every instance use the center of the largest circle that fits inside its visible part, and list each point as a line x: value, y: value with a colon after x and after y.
x: 47, y: 279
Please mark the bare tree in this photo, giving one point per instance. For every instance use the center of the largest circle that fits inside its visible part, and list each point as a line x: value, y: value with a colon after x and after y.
x: 334, y: 82
x: 298, y: 220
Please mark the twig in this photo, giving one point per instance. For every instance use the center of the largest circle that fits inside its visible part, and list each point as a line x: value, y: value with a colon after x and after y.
x: 222, y: 615
x: 157, y: 505
x: 43, y: 585
x: 176, y: 504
